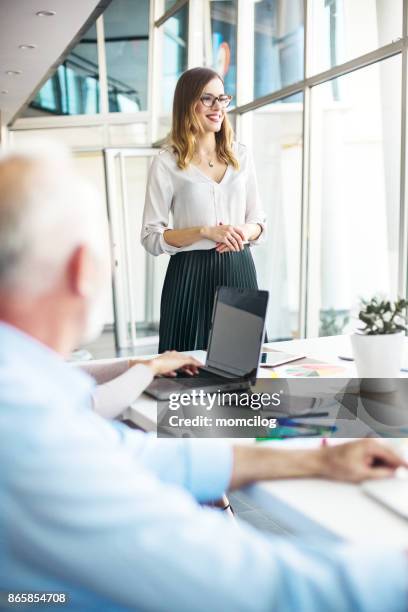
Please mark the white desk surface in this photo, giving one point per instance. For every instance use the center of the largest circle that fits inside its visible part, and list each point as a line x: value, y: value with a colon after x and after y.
x: 311, y: 506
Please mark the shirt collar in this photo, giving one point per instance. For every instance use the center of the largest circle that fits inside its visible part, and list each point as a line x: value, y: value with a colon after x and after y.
x: 40, y: 366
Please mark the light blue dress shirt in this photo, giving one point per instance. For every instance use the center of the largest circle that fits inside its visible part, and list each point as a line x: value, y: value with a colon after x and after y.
x: 110, y: 516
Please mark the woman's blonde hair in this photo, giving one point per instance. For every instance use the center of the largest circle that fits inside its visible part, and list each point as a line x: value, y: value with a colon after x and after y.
x: 186, y: 126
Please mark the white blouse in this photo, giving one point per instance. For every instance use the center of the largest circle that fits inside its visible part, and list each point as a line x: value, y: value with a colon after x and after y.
x: 193, y: 199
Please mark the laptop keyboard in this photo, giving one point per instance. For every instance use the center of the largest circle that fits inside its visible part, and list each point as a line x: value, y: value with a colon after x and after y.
x: 189, y: 382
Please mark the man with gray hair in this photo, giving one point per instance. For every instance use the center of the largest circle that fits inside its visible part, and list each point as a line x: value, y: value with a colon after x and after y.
x: 109, y: 516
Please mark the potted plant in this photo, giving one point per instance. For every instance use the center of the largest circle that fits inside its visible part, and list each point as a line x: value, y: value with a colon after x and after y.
x: 378, y: 347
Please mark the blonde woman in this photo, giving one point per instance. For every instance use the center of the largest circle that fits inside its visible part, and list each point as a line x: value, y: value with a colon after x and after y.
x: 207, y: 183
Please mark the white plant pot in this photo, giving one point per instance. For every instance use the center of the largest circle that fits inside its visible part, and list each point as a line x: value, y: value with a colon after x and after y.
x: 378, y: 357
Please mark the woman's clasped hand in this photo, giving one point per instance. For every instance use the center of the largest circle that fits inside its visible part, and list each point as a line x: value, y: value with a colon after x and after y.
x: 227, y: 237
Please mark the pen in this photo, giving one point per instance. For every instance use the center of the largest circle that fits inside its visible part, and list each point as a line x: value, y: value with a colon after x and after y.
x: 283, y: 436
x: 347, y: 358
x: 308, y: 415
x: 288, y: 432
x: 321, y: 426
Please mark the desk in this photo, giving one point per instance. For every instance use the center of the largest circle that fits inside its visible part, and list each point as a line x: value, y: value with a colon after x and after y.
x: 334, y: 510
x: 310, y: 506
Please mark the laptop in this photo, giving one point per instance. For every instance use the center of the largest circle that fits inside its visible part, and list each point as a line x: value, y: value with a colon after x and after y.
x: 235, y: 342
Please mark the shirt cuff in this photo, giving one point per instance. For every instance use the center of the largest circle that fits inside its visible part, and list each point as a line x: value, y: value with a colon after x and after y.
x: 165, y: 247
x: 261, y: 237
x: 210, y: 468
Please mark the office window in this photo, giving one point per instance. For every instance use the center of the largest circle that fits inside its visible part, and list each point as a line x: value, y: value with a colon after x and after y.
x: 345, y: 29
x: 168, y: 4
x: 224, y: 41
x: 354, y: 199
x: 278, y: 45
x: 174, y: 56
x: 276, y: 144
x: 174, y: 63
x: 74, y: 88
x: 126, y: 43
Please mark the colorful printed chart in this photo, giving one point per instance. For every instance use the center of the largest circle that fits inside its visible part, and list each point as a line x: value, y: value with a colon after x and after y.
x: 311, y: 369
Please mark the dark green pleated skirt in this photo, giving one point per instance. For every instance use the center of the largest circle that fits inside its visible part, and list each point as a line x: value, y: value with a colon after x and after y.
x: 187, y: 300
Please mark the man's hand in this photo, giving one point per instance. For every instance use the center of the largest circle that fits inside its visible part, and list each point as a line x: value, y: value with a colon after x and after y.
x: 360, y: 460
x: 352, y: 462
x: 169, y: 362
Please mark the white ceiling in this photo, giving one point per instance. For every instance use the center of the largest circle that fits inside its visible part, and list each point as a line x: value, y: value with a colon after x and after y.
x: 19, y: 25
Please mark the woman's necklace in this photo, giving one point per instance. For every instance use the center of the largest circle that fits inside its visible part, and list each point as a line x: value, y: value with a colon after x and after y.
x: 209, y: 161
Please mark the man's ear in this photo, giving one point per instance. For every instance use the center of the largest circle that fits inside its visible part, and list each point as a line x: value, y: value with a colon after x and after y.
x: 79, y: 272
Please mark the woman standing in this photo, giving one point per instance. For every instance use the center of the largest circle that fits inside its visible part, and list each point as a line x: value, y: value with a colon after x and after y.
x: 208, y: 184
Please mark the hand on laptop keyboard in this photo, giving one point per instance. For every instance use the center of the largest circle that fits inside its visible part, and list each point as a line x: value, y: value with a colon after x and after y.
x: 170, y: 362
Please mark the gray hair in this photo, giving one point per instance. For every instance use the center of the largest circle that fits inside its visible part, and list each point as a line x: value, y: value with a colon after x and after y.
x: 46, y: 210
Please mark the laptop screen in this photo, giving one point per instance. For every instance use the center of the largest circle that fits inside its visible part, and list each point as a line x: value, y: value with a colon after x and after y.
x: 237, y: 330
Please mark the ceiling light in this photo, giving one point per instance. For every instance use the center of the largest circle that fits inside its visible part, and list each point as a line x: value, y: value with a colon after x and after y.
x: 13, y: 72
x: 25, y: 47
x: 45, y: 13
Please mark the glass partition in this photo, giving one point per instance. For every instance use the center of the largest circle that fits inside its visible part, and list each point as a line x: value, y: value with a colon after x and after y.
x: 174, y: 56
x: 74, y: 88
x: 174, y: 40
x: 355, y: 190
x: 276, y: 143
x: 91, y: 165
x: 168, y: 4
x: 126, y: 25
x: 345, y: 29
x: 278, y: 45
x: 224, y: 42
x: 137, y: 276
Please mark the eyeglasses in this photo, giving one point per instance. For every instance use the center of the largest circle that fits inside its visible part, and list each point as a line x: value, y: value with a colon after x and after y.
x: 209, y: 100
